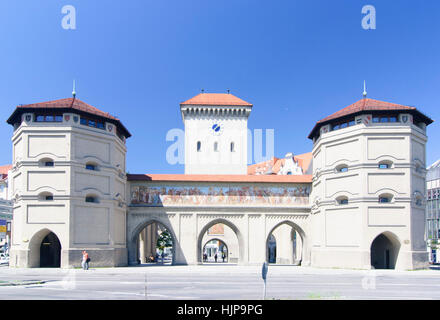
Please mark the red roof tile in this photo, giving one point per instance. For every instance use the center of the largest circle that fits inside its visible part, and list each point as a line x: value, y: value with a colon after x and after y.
x: 220, y: 178
x: 68, y: 103
x: 216, y: 99
x: 365, y: 105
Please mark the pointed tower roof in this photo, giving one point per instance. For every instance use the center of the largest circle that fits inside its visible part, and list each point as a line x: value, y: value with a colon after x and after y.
x: 67, y: 105
x: 369, y: 105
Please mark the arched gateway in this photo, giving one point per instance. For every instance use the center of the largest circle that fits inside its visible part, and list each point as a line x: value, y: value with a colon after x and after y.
x: 362, y: 179
x: 188, y: 210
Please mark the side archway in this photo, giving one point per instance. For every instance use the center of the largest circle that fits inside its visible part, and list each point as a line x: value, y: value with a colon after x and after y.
x: 135, y: 246
x: 299, y: 252
x: 45, y: 250
x: 384, y: 251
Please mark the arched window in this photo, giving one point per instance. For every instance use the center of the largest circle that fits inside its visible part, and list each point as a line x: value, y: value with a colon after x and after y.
x: 232, y: 147
x: 92, y: 198
x: 385, y: 164
x: 215, y: 146
x: 199, y: 146
x: 342, y: 168
x: 45, y: 196
x: 342, y: 200
x: 385, y: 198
x: 91, y: 166
x: 46, y: 162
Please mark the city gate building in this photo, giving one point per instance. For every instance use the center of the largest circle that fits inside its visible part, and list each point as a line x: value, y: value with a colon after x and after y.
x: 356, y: 201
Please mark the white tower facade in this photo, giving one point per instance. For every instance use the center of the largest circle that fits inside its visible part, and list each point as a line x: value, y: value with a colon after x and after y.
x: 215, y: 134
x: 68, y: 184
x: 368, y: 187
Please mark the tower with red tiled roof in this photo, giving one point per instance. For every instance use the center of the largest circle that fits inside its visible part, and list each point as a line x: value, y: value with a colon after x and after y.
x: 215, y: 133
x: 368, y: 187
x: 68, y: 173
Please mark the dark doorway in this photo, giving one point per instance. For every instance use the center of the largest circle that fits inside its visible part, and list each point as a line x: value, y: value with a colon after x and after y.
x: 272, y: 249
x: 50, y: 252
x: 384, y: 252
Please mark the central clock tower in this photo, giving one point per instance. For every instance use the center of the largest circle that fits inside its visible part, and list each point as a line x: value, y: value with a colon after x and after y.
x: 215, y: 134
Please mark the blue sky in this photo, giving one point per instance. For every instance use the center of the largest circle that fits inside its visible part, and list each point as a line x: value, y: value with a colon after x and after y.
x: 296, y: 61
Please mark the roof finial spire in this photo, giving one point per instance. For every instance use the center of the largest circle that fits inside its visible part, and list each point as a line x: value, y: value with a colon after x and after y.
x: 364, y: 94
x: 228, y: 90
x: 74, y: 92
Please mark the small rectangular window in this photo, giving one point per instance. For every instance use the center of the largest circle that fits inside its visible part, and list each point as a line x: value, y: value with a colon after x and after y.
x: 384, y: 166
x: 39, y: 118
x: 92, y: 123
x: 384, y: 119
x: 90, y: 167
x: 375, y: 119
x: 83, y: 121
x: 344, y: 125
x: 336, y: 127
x: 49, y: 118
x: 49, y: 197
x: 393, y: 119
x: 351, y: 123
x: 343, y: 201
x: 344, y: 169
x: 48, y: 164
x: 100, y: 125
x: 58, y: 118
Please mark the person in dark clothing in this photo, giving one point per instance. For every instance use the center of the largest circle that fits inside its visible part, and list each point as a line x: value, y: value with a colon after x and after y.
x: 215, y: 257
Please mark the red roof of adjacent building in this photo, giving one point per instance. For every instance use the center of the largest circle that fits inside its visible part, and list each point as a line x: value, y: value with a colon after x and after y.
x: 67, y: 104
x: 368, y: 104
x: 274, y: 165
x: 4, y: 171
x: 216, y: 99
x: 220, y: 178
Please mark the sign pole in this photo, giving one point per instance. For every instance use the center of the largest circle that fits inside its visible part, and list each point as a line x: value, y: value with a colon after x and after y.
x: 264, y: 276
x: 264, y: 290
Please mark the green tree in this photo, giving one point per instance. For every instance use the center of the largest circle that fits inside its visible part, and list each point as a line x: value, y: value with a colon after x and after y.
x: 164, y: 240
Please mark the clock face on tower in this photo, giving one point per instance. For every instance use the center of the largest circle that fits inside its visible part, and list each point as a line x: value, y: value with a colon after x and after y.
x: 216, y: 128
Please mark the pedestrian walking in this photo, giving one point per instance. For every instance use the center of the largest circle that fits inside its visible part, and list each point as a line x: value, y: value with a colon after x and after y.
x: 163, y: 256
x: 215, y: 257
x: 85, y: 260
x: 223, y: 256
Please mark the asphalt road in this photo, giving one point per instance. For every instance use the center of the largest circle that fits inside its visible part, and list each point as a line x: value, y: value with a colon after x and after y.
x: 219, y: 282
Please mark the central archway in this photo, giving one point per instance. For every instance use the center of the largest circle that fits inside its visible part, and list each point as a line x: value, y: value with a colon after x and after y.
x: 239, y: 239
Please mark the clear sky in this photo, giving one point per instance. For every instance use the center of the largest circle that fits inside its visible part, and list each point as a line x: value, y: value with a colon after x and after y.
x: 296, y: 61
